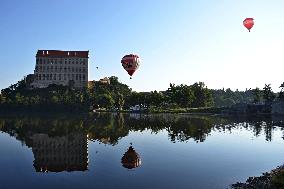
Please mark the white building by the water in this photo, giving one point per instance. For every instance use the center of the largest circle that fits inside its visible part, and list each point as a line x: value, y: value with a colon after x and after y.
x: 61, y: 68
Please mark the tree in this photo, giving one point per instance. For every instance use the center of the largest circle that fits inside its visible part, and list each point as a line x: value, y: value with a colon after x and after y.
x: 156, y: 98
x: 281, y: 93
x: 119, y: 101
x: 256, y: 95
x: 105, y: 100
x: 181, y: 95
x: 203, y: 96
x: 268, y: 94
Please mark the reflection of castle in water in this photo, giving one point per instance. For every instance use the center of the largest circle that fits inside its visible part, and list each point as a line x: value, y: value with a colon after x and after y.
x: 60, y: 153
x: 131, y: 159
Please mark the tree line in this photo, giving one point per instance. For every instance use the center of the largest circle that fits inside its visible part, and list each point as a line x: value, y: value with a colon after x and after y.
x: 118, y: 96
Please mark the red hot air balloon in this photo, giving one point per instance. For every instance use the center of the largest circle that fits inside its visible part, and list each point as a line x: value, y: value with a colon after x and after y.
x: 131, y: 159
x: 130, y: 63
x: 248, y: 23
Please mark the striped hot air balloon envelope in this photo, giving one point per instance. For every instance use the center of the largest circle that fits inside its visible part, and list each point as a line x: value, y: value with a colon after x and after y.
x: 130, y: 63
x: 248, y: 23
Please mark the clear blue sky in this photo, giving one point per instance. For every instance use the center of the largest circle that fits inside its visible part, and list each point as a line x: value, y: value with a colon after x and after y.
x: 179, y: 41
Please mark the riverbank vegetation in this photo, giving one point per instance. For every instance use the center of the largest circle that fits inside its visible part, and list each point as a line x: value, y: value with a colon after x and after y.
x: 269, y: 180
x: 116, y: 96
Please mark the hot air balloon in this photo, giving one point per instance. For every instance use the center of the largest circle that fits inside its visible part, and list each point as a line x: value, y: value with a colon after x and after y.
x: 131, y: 159
x: 130, y: 63
x: 248, y: 23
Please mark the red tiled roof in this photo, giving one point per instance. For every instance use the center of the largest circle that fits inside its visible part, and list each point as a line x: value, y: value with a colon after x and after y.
x: 60, y: 54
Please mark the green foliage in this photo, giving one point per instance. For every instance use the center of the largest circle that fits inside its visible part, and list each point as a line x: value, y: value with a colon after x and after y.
x: 119, y: 101
x: 227, y: 98
x: 268, y: 94
x: 257, y: 95
x: 203, y: 96
x: 281, y: 93
x: 105, y: 100
x: 183, y: 95
x: 278, y: 180
x: 120, y: 96
x: 157, y: 98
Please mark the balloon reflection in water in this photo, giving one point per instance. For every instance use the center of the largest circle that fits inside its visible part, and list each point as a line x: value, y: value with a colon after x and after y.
x: 131, y: 159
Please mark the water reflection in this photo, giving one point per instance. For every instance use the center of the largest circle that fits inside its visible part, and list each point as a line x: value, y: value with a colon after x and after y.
x: 60, y: 143
x: 60, y: 153
x: 110, y: 128
x: 131, y: 159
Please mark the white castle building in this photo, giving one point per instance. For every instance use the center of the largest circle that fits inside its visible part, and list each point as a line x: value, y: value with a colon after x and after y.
x: 68, y: 68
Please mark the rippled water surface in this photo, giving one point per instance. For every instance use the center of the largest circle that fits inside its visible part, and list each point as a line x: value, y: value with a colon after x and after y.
x: 136, y: 151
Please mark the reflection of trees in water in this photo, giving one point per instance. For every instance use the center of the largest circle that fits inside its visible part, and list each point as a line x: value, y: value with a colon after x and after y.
x: 57, y: 144
x: 109, y: 128
x: 185, y: 128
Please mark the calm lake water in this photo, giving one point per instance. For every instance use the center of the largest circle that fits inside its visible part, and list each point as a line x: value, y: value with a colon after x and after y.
x: 136, y: 151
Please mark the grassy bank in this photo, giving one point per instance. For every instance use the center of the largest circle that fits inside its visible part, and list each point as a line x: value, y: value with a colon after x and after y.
x: 203, y: 110
x: 278, y: 179
x: 269, y: 180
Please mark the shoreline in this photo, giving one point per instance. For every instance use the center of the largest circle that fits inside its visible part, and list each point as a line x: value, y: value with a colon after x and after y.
x: 268, y: 180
